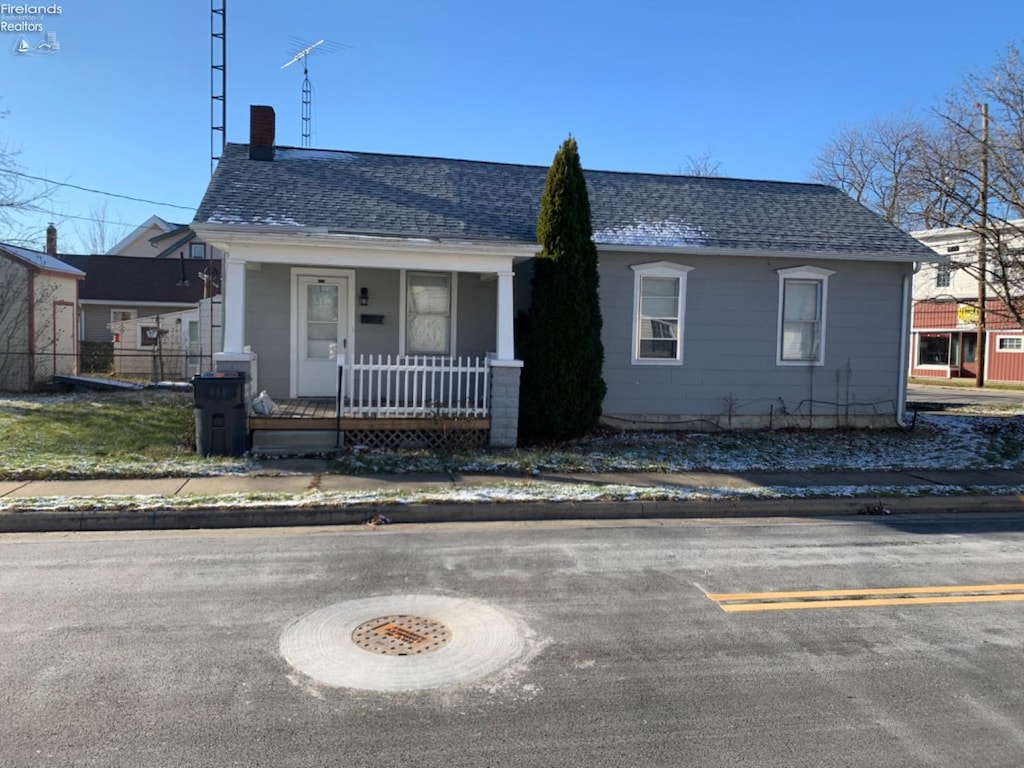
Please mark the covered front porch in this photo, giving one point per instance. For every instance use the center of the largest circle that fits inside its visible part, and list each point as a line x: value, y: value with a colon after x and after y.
x: 367, y: 341
x: 387, y: 402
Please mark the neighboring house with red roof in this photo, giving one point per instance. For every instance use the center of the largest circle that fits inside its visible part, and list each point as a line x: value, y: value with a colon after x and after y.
x: 38, y: 318
x: 725, y: 302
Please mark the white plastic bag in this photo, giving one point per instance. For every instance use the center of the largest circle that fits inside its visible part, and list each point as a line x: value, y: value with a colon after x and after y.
x: 263, y: 404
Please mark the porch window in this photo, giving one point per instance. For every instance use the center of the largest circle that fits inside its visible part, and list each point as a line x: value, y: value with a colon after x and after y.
x: 659, y: 300
x: 803, y: 294
x: 428, y: 313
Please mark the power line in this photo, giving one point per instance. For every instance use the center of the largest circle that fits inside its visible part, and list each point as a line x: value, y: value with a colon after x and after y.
x: 101, y: 192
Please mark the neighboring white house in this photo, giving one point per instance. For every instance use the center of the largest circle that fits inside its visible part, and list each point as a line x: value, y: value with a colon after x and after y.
x: 172, y: 346
x: 159, y: 238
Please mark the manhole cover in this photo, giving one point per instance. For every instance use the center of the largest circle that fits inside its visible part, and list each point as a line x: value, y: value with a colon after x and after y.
x: 385, y: 644
x: 401, y: 635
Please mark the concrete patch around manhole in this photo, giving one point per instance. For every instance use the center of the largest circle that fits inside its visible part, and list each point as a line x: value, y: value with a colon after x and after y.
x: 481, y: 639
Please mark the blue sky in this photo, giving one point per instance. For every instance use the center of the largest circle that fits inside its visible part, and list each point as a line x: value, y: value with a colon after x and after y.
x: 124, y: 105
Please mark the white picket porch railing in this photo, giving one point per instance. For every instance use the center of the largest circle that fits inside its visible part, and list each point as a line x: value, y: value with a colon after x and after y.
x: 416, y: 386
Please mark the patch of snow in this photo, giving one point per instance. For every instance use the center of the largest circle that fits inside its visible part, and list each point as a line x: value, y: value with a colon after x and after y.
x: 221, y: 217
x: 40, y: 259
x: 666, y: 234
x: 274, y: 221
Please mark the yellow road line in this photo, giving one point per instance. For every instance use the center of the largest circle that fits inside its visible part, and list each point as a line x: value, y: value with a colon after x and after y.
x: 738, y: 602
x: 855, y: 592
x: 869, y: 602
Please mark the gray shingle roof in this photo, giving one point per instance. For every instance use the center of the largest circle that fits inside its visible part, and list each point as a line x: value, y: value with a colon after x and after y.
x: 396, y: 195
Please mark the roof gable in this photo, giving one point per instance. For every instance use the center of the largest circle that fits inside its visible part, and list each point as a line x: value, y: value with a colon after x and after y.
x: 153, y: 226
x: 417, y: 197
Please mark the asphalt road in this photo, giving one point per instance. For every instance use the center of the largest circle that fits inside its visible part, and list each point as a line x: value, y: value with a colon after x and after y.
x: 162, y: 649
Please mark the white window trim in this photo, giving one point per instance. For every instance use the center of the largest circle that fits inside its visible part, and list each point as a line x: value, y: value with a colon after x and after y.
x: 999, y: 341
x: 803, y: 273
x: 658, y: 269
x: 133, y: 315
x: 192, y: 251
x: 403, y: 310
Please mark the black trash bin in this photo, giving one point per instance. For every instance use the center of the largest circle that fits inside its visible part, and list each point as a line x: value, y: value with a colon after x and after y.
x: 221, y: 414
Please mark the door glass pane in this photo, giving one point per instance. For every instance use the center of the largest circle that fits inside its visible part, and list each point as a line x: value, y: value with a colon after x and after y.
x: 322, y: 303
x: 321, y: 320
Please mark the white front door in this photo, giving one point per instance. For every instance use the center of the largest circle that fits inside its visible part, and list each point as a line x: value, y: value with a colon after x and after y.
x: 322, y: 309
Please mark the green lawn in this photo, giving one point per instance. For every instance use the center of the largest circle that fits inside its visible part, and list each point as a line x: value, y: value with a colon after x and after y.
x: 99, y: 435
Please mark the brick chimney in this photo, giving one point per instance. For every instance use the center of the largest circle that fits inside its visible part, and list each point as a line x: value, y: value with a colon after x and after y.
x: 262, y: 126
x: 51, y: 239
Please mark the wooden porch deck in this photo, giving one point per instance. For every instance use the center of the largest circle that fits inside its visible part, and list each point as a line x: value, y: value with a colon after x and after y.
x: 318, y: 414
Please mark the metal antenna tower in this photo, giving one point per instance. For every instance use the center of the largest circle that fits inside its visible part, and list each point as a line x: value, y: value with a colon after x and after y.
x: 320, y: 46
x: 218, y: 80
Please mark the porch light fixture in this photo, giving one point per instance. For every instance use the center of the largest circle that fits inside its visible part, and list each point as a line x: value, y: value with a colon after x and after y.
x: 364, y: 296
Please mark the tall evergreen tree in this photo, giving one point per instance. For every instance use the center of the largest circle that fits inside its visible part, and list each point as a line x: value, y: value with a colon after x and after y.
x: 562, y: 388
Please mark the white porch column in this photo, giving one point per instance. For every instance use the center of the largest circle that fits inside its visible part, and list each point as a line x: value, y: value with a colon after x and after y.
x: 506, y: 318
x: 234, y: 304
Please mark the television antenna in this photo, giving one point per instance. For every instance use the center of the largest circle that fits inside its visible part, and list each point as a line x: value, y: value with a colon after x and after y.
x: 307, y: 50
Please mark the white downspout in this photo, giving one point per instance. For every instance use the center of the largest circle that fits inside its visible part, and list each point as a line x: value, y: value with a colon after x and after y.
x: 904, y: 368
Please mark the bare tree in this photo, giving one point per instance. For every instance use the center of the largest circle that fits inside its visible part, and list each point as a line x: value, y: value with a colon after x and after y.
x: 700, y: 165
x: 962, y: 168
x: 977, y: 171
x: 19, y: 196
x: 878, y: 166
x: 99, y: 235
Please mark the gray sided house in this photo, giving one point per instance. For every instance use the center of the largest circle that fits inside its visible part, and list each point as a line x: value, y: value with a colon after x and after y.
x: 725, y: 302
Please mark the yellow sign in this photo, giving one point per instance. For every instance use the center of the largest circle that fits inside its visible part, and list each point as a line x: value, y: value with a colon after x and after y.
x: 966, y: 315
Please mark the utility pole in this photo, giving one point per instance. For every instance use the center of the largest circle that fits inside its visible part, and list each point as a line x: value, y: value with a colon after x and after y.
x: 980, y: 354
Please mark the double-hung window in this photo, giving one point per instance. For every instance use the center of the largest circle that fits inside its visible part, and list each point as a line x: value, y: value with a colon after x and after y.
x: 428, y: 313
x: 803, y: 296
x: 659, y: 303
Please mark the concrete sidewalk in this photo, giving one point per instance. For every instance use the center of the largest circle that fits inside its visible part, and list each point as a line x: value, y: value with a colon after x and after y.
x: 305, y: 495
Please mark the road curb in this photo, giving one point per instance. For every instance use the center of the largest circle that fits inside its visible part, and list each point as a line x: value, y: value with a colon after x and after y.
x: 41, y: 521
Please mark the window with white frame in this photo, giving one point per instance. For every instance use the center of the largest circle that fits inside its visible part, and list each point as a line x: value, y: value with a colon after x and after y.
x: 197, y: 251
x: 123, y: 315
x: 803, y: 297
x: 428, y: 313
x: 943, y: 275
x: 1010, y: 344
x: 659, y: 304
